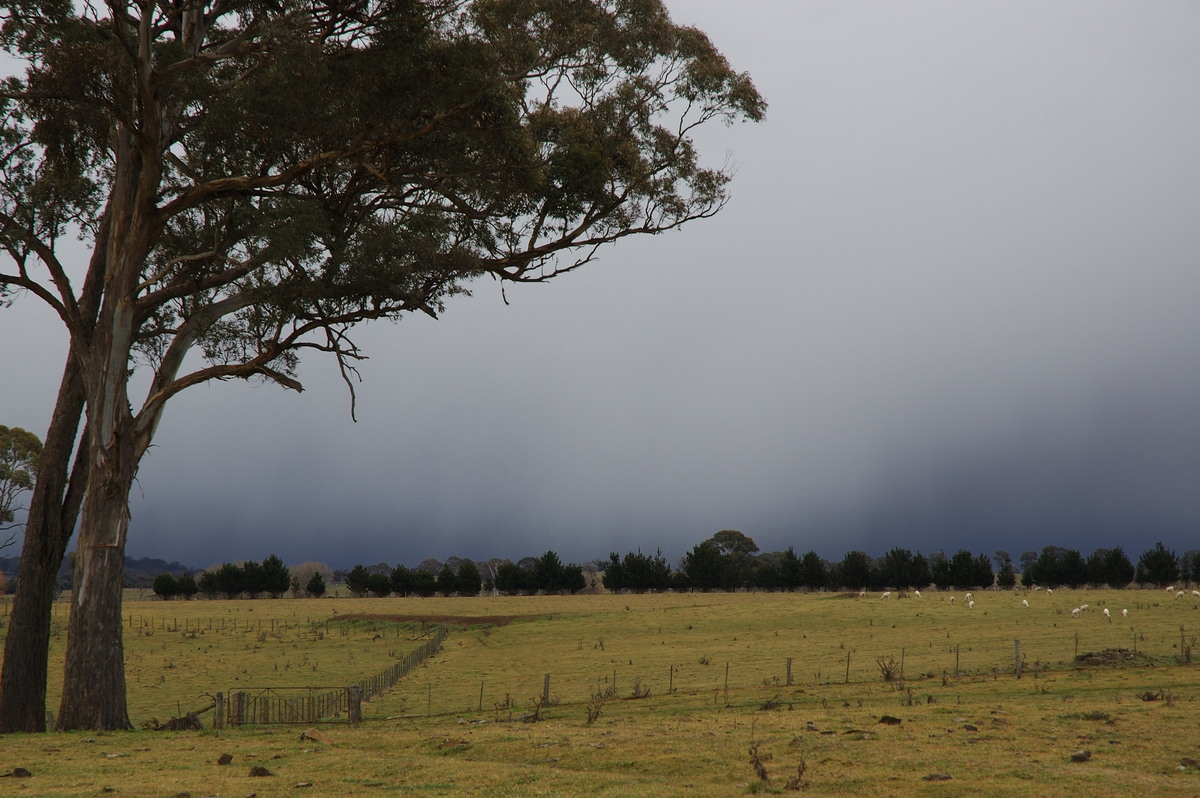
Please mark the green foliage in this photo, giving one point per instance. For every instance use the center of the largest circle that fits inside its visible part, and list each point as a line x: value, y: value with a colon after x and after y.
x: 358, y: 581
x: 230, y: 580
x: 276, y: 578
x: 166, y: 587
x: 379, y: 584
x: 19, y: 453
x: 1158, y: 566
x: 1057, y: 566
x: 315, y: 588
x: 469, y: 580
x: 187, y: 585
x: 637, y: 572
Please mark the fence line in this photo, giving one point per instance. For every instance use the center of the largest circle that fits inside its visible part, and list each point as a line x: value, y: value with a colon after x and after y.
x: 282, y: 705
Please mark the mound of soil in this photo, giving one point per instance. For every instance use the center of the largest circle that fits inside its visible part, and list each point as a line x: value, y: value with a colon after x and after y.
x: 1111, y: 657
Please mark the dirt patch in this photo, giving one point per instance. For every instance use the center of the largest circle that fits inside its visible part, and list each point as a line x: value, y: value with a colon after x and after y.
x: 1111, y: 657
x: 449, y: 620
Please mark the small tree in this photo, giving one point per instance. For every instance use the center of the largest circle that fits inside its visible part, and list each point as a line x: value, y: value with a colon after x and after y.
x: 230, y: 580
x: 469, y: 579
x: 209, y: 584
x: 1158, y: 566
x: 19, y: 453
x: 187, y: 585
x: 380, y: 584
x: 447, y: 581
x: 358, y: 581
x: 276, y: 578
x: 165, y: 587
x: 316, y: 585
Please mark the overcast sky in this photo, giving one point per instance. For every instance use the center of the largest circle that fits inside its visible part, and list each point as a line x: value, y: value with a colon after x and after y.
x: 952, y: 304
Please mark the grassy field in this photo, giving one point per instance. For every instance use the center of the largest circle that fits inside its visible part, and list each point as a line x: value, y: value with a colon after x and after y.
x: 660, y: 695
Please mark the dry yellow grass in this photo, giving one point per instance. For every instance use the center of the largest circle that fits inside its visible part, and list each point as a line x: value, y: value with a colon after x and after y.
x: 454, y: 726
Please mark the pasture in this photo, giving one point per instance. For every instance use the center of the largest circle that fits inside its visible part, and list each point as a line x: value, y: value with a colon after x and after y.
x: 654, y: 695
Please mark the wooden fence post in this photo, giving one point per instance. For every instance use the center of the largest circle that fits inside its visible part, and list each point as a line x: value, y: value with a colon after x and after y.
x: 219, y: 709
x: 1017, y: 652
x: 789, y: 671
x: 354, y: 712
x: 546, y: 691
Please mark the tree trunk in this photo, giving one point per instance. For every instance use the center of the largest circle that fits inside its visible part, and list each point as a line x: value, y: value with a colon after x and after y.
x: 53, y: 509
x: 94, y: 676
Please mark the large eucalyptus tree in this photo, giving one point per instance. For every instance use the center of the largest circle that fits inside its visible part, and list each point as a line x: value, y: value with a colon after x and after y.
x: 253, y: 178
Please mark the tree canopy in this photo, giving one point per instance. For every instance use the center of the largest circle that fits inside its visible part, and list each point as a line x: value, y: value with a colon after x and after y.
x: 19, y: 453
x: 253, y: 180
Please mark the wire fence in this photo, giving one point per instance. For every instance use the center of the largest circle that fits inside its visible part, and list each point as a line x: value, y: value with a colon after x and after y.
x: 307, y: 705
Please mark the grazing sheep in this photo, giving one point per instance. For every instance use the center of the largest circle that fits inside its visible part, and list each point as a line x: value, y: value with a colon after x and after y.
x: 1085, y: 607
x: 970, y: 605
x: 1196, y: 592
x: 970, y: 596
x: 886, y: 595
x: 918, y: 592
x: 952, y: 599
x: 1049, y: 591
x: 1075, y: 613
x: 1124, y: 613
x: 1170, y: 588
x: 1180, y: 594
x: 1107, y: 614
x: 1025, y: 603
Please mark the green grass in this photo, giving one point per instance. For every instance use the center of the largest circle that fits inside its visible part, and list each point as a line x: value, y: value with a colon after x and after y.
x: 711, y: 673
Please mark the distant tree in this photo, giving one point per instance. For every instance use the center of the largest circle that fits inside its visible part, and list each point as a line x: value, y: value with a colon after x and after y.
x: 1006, y: 577
x: 447, y: 581
x: 424, y: 583
x: 970, y: 571
x: 705, y: 567
x: 1057, y: 566
x: 854, y: 571
x: 315, y: 587
x: 511, y: 579
x: 469, y: 579
x: 209, y: 584
x: 276, y: 576
x: 254, y: 579
x: 166, y: 587
x: 738, y: 564
x: 358, y: 581
x: 380, y: 585
x: 230, y: 579
x: 19, y: 453
x: 1158, y: 566
x: 613, y: 578
x: 789, y: 570
x: 900, y: 569
x: 573, y: 579
x: 1028, y: 563
x: 813, y: 572
x: 1109, y: 567
x: 402, y: 581
x: 548, y: 573
x: 187, y: 585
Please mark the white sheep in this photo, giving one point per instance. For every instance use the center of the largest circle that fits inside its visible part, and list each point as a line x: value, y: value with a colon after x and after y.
x: 1196, y: 593
x: 1170, y: 588
x: 918, y: 592
x: 970, y: 605
x: 1107, y: 614
x: 970, y: 596
x: 1180, y: 594
x: 1049, y: 591
x: 1124, y: 613
x: 887, y: 594
x: 952, y: 599
x: 1075, y: 613
x: 1025, y: 603
x: 1085, y: 607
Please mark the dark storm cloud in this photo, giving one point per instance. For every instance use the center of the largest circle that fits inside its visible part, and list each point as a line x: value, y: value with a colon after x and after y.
x: 952, y: 305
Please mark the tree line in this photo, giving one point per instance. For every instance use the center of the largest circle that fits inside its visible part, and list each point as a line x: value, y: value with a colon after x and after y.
x: 727, y: 561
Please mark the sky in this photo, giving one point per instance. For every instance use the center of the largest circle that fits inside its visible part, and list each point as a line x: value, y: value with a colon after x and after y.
x: 951, y: 304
